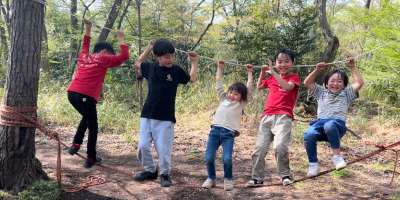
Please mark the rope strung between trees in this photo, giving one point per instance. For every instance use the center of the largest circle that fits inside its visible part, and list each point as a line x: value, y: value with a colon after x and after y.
x: 22, y: 117
x: 26, y: 117
x: 13, y: 116
x: 237, y: 63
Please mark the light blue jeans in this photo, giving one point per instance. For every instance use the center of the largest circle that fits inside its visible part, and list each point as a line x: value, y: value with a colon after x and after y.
x: 161, y: 133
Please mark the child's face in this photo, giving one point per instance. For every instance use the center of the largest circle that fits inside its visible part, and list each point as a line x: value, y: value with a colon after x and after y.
x: 166, y: 60
x: 234, y: 95
x: 283, y: 63
x: 335, y: 83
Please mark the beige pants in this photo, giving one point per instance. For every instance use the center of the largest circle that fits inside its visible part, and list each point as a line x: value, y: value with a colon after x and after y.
x: 276, y: 129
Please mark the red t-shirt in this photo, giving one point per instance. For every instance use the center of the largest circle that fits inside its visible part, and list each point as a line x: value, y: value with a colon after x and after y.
x: 280, y: 101
x: 91, y: 69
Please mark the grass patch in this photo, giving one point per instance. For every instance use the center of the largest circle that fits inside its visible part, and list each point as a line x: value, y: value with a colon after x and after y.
x: 339, y: 173
x: 6, y: 196
x: 41, y: 190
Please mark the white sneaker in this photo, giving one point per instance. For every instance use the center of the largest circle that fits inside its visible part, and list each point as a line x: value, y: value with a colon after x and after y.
x: 338, y: 161
x: 313, y: 169
x: 209, y: 183
x: 228, y: 184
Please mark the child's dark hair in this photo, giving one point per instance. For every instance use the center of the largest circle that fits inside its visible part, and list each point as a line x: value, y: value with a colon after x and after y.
x: 239, y: 88
x: 342, y: 75
x: 162, y: 47
x: 103, y: 45
x: 286, y: 51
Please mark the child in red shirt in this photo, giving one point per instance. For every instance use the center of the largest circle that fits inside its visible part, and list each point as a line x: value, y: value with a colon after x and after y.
x: 276, y: 123
x: 86, y: 85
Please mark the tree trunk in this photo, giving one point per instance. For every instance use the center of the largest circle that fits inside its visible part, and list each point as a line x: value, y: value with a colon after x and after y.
x: 333, y: 41
x: 368, y: 4
x: 45, y: 50
x: 18, y: 165
x: 124, y: 12
x: 112, y: 16
x: 139, y: 79
x: 74, y: 32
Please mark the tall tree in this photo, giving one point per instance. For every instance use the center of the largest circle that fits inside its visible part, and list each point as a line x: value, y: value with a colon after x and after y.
x: 332, y: 40
x: 139, y: 83
x: 74, y: 30
x: 112, y: 16
x: 18, y: 165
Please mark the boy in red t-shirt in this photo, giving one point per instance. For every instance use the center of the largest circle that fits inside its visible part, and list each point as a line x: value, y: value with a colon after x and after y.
x: 86, y: 85
x: 276, y: 123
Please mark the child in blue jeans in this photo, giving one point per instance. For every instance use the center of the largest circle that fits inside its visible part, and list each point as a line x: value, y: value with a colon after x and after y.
x: 334, y: 99
x: 226, y: 125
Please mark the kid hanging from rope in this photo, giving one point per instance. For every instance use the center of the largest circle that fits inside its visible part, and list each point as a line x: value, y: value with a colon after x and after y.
x: 157, y: 119
x: 86, y: 85
x: 276, y: 123
x: 226, y: 125
x: 334, y: 99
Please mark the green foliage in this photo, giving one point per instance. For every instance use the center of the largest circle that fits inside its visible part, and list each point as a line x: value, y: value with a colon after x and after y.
x: 339, y: 173
x: 41, y: 190
x: 375, y: 33
x: 263, y: 32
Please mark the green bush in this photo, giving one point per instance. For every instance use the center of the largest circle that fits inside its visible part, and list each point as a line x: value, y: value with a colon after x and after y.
x: 41, y: 190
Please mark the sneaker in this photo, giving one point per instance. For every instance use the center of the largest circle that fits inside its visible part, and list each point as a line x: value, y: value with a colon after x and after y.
x: 90, y: 162
x: 165, y: 180
x: 74, y: 149
x: 209, y: 183
x: 228, y: 184
x: 287, y: 180
x: 313, y: 169
x: 254, y: 183
x: 146, y: 175
x: 338, y: 161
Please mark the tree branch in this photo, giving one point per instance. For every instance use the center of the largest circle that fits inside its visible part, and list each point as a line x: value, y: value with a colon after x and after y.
x: 208, y: 26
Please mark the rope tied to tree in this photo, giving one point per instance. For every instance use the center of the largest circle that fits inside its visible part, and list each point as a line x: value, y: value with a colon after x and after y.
x: 14, y: 116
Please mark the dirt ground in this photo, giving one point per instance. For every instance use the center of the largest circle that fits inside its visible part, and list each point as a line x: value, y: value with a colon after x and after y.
x: 365, y: 180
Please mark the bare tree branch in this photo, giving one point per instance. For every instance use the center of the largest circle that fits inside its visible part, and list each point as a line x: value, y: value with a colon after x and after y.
x: 124, y: 12
x: 208, y: 26
x: 194, y: 9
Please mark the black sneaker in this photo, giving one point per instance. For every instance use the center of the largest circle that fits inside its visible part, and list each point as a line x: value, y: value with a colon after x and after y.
x: 90, y: 162
x: 254, y: 183
x: 165, y: 180
x: 145, y: 175
x: 74, y: 149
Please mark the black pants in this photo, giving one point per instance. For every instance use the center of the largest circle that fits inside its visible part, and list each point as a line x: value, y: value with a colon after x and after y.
x: 86, y: 106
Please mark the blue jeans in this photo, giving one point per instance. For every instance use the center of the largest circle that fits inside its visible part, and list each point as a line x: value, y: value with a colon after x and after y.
x: 330, y: 130
x: 224, y: 137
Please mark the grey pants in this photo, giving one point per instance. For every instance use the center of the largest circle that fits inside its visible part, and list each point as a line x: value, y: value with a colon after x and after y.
x: 274, y: 129
x: 161, y: 133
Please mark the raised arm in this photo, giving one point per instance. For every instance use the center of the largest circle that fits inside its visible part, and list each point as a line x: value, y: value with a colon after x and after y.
x: 110, y: 60
x: 309, y: 82
x: 88, y: 27
x: 264, y: 74
x: 358, y: 80
x: 220, y: 70
x: 194, y: 60
x: 142, y: 58
x: 285, y: 85
x: 86, y: 39
x: 250, y: 85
